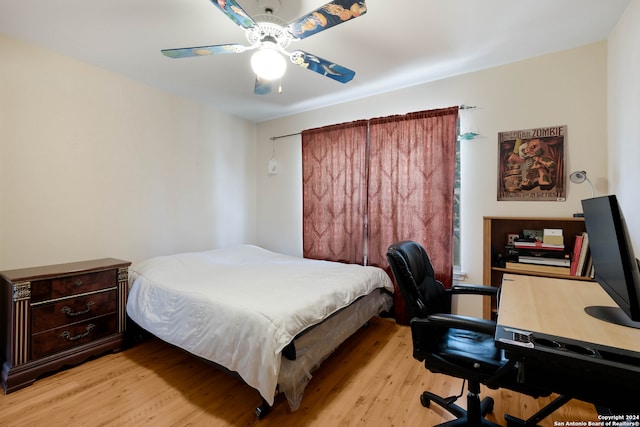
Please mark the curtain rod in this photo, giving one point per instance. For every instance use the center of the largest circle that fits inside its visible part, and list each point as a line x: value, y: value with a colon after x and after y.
x: 273, y: 138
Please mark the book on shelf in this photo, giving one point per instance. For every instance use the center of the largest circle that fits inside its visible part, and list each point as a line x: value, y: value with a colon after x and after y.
x: 519, y: 244
x: 513, y: 253
x: 581, y: 269
x: 577, y: 248
x: 537, y: 268
x: 588, y: 271
x: 559, y: 262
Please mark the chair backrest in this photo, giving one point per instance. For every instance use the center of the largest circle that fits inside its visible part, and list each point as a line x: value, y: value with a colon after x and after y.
x: 415, y: 277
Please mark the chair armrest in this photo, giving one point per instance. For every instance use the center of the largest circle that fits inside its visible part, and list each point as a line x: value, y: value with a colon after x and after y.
x: 457, y: 321
x: 470, y: 289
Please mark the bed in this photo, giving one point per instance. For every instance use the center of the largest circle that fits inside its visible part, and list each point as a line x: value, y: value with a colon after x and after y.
x: 270, y: 318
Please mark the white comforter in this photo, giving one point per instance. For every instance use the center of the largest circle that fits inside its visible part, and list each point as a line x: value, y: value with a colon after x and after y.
x: 240, y: 306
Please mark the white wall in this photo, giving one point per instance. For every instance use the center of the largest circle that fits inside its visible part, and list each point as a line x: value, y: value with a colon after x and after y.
x: 566, y: 88
x: 95, y: 165
x: 624, y: 112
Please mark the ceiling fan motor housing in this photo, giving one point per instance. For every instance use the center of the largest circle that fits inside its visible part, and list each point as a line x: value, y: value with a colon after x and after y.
x: 269, y: 28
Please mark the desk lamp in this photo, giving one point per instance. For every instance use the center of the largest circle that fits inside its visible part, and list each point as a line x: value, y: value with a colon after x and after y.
x: 578, y: 177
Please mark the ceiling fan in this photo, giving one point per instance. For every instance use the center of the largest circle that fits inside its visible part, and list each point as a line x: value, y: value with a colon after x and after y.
x: 270, y: 36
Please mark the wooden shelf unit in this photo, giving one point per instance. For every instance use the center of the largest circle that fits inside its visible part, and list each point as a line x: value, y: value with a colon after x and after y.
x: 495, y: 235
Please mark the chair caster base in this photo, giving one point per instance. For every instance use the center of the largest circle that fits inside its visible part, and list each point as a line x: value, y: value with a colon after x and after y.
x: 538, y: 416
x: 477, y: 419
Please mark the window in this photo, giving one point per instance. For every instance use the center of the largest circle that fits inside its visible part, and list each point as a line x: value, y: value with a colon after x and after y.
x: 456, y: 207
x: 464, y: 133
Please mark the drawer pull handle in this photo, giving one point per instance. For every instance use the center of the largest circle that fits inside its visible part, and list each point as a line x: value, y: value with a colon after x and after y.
x: 66, y: 335
x: 78, y: 283
x: 67, y: 310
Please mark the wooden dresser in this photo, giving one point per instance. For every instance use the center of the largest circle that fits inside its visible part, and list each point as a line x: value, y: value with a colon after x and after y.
x: 60, y: 315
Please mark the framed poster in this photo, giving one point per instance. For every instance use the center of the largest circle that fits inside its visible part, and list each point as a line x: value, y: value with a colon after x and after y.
x: 531, y: 164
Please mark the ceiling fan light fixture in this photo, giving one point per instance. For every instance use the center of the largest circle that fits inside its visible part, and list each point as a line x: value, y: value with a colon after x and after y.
x: 268, y: 63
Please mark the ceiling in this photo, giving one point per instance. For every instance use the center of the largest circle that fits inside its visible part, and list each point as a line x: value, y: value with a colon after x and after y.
x: 396, y: 44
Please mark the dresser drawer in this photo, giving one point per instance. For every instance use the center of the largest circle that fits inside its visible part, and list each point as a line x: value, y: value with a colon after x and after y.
x: 66, y: 311
x: 69, y: 336
x: 61, y: 287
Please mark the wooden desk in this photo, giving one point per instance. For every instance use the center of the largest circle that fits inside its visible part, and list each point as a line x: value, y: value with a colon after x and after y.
x: 556, y: 307
x: 542, y: 324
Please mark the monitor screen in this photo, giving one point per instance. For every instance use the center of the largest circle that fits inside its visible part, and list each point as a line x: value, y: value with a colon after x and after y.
x: 615, y: 265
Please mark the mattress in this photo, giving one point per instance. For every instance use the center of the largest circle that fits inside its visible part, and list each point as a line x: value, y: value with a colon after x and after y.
x: 240, y: 306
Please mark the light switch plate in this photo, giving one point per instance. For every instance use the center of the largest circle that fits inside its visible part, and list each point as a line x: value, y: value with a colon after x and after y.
x: 272, y: 167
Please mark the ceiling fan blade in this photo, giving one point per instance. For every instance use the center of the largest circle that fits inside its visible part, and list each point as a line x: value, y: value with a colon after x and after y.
x: 262, y: 87
x: 322, y: 66
x: 232, y: 9
x: 331, y: 14
x: 187, y: 52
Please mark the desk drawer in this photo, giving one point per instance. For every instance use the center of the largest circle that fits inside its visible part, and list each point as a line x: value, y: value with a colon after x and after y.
x: 72, y: 310
x: 69, y: 336
x: 61, y: 287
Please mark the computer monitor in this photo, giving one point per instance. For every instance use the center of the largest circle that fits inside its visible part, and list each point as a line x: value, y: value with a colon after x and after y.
x: 616, y: 268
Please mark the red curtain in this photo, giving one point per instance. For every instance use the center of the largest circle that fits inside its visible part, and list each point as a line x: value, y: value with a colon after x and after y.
x: 368, y: 184
x: 410, y: 189
x: 334, y: 190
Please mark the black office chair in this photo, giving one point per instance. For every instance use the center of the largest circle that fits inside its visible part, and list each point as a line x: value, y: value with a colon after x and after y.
x: 454, y: 345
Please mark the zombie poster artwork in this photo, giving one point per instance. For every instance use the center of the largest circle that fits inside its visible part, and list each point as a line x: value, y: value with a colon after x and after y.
x: 531, y: 164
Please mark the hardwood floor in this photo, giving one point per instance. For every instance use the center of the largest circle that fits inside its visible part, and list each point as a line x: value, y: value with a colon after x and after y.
x: 372, y: 380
